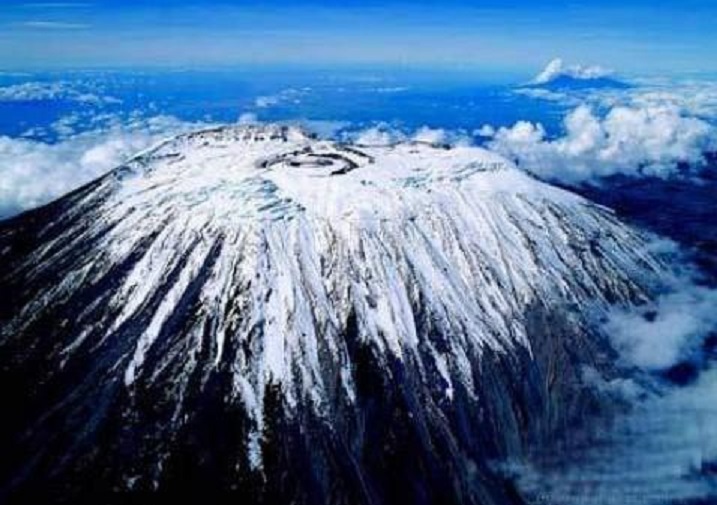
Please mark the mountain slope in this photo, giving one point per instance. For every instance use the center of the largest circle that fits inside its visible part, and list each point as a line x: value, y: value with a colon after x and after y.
x: 250, y: 312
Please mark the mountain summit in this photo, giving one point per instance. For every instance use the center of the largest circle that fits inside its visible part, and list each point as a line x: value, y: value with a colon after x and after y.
x: 250, y: 312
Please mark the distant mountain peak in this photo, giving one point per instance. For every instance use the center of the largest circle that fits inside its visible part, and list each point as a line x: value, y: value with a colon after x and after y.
x: 557, y: 74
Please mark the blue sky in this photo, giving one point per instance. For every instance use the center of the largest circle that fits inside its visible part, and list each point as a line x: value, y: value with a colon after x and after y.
x: 632, y: 36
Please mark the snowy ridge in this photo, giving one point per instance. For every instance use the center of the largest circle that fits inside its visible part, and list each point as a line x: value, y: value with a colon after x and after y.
x: 248, y: 248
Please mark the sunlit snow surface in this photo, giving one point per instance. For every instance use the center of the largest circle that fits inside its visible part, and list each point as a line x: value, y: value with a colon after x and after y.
x: 285, y: 236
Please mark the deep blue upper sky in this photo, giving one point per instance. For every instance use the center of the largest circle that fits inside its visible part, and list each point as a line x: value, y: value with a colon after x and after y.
x: 632, y: 36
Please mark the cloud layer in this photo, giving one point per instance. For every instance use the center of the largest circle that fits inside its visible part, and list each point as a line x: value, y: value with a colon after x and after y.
x: 631, y: 140
x: 668, y: 330
x: 56, y: 90
x: 289, y: 95
x: 33, y: 172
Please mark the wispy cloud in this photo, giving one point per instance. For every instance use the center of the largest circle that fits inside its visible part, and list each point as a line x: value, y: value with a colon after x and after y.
x: 61, y: 90
x: 52, y: 25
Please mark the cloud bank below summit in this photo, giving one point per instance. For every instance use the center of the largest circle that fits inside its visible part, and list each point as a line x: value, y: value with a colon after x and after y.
x: 33, y: 172
x: 632, y: 140
x: 58, y: 90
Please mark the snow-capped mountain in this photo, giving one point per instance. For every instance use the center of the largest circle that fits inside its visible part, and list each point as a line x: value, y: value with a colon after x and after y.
x: 252, y: 313
x: 558, y: 76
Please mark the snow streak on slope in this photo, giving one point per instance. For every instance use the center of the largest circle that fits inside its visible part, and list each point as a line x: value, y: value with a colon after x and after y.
x: 248, y: 249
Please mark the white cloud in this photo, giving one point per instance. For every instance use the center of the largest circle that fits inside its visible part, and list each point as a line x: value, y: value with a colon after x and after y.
x: 384, y: 134
x: 247, y: 118
x: 620, y: 387
x: 33, y: 173
x: 692, y: 97
x: 672, y: 327
x: 485, y: 131
x: 561, y: 97
x: 325, y: 128
x: 381, y: 135
x: 289, y: 95
x: 655, y: 453
x: 630, y: 140
x: 697, y: 98
x: 557, y: 68
x: 666, y: 331
x: 66, y: 125
x: 57, y: 90
x: 391, y: 89
x: 266, y: 101
x: 430, y: 135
